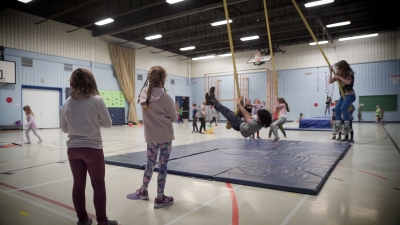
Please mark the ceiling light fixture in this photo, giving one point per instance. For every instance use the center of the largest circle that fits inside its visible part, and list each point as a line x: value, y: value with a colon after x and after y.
x: 222, y: 22
x: 105, y: 21
x: 225, y: 55
x: 204, y: 57
x: 174, y: 1
x: 187, y: 48
x: 338, y: 24
x: 153, y: 37
x: 249, y: 38
x: 25, y: 1
x: 357, y: 37
x: 316, y: 3
x: 319, y: 42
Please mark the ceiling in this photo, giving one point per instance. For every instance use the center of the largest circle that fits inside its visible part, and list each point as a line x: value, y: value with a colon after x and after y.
x: 187, y: 23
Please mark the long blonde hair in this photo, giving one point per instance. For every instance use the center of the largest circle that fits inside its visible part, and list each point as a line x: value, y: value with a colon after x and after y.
x: 28, y: 109
x: 155, y: 75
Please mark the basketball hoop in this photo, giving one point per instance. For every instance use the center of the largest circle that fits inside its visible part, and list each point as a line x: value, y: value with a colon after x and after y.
x: 257, y: 56
x: 395, y: 79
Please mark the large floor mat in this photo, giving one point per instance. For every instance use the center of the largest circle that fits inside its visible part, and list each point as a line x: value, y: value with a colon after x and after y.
x: 293, y: 166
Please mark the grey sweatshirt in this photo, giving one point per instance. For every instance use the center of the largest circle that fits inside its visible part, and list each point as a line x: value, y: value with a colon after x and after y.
x: 82, y: 120
x: 158, y: 117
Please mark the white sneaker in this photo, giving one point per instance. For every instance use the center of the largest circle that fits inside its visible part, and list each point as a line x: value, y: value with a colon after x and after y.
x: 40, y: 141
x: 27, y: 143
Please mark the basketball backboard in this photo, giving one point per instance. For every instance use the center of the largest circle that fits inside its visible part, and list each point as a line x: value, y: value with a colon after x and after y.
x: 8, y: 71
x: 261, y: 60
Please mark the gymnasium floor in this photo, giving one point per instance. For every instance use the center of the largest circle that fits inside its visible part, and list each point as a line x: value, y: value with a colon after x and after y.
x: 36, y: 184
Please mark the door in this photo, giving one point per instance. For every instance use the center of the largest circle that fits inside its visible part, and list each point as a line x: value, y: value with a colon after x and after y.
x: 182, y: 102
x: 45, y: 105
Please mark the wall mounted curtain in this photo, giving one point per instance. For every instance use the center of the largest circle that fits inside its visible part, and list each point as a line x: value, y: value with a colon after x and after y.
x: 123, y: 60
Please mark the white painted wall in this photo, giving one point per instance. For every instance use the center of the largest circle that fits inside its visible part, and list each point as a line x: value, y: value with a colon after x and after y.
x: 384, y: 47
x: 18, y: 31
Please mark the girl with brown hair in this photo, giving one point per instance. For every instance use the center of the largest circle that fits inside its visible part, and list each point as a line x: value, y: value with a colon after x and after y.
x: 31, y: 126
x: 283, y: 109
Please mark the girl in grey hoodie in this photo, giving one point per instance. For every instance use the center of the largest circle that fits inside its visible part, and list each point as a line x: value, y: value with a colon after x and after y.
x: 158, y: 115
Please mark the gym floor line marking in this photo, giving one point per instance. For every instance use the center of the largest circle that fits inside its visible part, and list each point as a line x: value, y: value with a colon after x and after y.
x: 34, y: 160
x: 200, y: 206
x: 295, y: 209
x: 235, y: 207
x: 373, y: 174
x: 37, y: 185
x: 44, y: 199
x: 41, y: 206
x: 10, y: 172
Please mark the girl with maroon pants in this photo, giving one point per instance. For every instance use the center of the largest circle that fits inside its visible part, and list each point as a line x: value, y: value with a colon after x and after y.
x: 82, y: 116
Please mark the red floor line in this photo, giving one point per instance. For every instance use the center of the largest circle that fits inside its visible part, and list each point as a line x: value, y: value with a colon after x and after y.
x: 373, y: 174
x: 44, y: 198
x: 235, y: 208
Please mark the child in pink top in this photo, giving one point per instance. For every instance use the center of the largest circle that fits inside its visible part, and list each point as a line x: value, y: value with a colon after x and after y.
x: 283, y: 109
x: 257, y: 106
x: 31, y: 126
x: 158, y: 115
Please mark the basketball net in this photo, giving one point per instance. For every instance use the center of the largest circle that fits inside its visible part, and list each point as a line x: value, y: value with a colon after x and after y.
x: 395, y: 79
x: 257, y: 56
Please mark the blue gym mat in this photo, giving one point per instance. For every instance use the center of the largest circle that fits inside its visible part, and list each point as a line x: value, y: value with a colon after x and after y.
x: 294, y: 166
x: 316, y: 122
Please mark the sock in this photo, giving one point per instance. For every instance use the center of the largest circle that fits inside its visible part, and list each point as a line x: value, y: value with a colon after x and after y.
x: 144, y: 188
x: 160, y: 195
x: 347, y: 123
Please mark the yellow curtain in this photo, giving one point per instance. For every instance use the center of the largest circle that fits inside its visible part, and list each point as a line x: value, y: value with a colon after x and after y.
x: 123, y: 60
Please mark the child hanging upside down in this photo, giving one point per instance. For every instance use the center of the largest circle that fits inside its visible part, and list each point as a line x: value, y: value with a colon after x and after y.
x: 250, y: 125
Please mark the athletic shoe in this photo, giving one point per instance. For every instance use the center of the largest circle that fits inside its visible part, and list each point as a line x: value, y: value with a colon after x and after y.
x: 112, y: 222
x: 333, y: 138
x: 284, y: 134
x: 212, y: 92
x: 337, y: 130
x: 27, y: 143
x: 275, y: 140
x: 165, y: 201
x: 228, y: 125
x: 258, y: 137
x: 345, y: 139
x: 142, y: 194
x: 40, y: 141
x: 88, y: 222
x: 351, y: 140
x: 346, y: 130
x: 339, y: 139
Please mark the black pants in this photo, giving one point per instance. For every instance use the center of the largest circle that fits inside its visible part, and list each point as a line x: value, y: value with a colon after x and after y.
x: 213, y: 120
x: 327, y: 108
x: 194, y: 124
x: 202, y: 124
x: 228, y: 114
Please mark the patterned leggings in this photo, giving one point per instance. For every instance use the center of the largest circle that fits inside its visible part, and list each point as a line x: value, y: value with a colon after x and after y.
x: 152, y: 152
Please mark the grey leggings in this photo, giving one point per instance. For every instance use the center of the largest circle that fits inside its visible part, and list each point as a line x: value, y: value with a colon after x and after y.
x: 277, y: 123
x: 34, y: 132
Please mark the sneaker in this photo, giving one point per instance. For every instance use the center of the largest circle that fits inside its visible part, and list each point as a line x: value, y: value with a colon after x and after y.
x: 351, y: 140
x: 193, y: 132
x: 346, y: 130
x: 212, y: 92
x: 142, y: 194
x: 228, y: 125
x: 165, y: 201
x: 111, y: 222
x: 258, y: 137
x: 40, y: 141
x: 208, y: 99
x: 27, y: 143
x: 275, y: 140
x: 345, y: 139
x: 339, y: 139
x: 284, y: 134
x: 88, y: 222
x: 269, y: 136
x: 337, y: 129
x: 333, y: 138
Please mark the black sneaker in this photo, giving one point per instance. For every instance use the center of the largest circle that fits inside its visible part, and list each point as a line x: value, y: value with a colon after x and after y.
x: 339, y: 139
x: 345, y: 139
x: 333, y: 138
x: 351, y: 140
x: 212, y: 92
x: 208, y: 99
x: 284, y: 134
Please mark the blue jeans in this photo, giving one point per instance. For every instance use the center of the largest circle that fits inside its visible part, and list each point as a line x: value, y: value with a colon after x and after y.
x: 229, y: 115
x: 342, y: 107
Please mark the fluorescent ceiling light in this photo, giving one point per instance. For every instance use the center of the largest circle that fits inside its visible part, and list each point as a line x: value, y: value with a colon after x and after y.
x: 222, y: 22
x: 319, y: 42
x: 204, y: 57
x: 316, y: 3
x: 249, y: 38
x: 224, y: 55
x: 357, y: 37
x: 105, y: 21
x: 25, y: 1
x: 338, y: 24
x: 174, y: 1
x: 153, y: 37
x: 187, y: 48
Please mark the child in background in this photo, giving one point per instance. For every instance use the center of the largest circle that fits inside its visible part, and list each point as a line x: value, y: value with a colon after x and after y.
x: 201, y: 114
x: 179, y: 115
x: 333, y: 119
x: 257, y: 106
x: 351, y: 111
x: 31, y: 126
x: 378, y: 114
x: 250, y: 125
x: 194, y: 117
x: 275, y: 118
x: 283, y: 109
x: 158, y: 115
x: 359, y: 113
x: 214, y: 115
x: 85, y: 148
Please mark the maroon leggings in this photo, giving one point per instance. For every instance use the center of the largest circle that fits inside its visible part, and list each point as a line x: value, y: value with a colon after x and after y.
x: 82, y: 161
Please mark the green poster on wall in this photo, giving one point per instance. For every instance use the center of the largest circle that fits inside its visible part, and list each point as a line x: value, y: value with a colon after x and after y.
x: 113, y: 99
